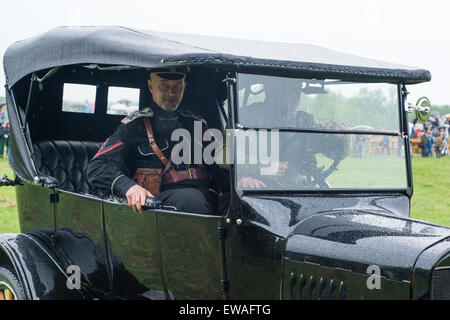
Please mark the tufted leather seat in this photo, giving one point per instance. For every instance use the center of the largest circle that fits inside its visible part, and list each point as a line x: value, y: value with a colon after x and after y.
x: 66, y: 161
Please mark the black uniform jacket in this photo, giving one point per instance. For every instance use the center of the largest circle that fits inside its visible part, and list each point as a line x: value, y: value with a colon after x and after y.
x: 128, y: 148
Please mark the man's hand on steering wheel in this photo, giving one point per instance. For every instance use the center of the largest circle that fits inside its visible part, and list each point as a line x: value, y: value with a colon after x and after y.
x: 250, y: 183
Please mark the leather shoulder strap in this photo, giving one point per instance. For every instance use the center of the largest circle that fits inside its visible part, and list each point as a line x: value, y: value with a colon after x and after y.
x: 159, y: 154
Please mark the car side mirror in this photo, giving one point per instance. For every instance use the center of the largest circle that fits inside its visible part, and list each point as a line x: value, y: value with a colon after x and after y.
x: 422, y: 109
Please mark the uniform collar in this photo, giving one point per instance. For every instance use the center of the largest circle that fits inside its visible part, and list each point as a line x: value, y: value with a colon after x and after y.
x: 164, y: 114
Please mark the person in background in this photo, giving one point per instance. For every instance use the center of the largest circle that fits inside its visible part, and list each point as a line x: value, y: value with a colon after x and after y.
x: 6, y: 135
x: 444, y: 146
x: 430, y: 144
x: 427, y: 125
x: 438, y: 145
x: 423, y: 144
x: 385, y: 145
x: 412, y: 133
x: 435, y: 123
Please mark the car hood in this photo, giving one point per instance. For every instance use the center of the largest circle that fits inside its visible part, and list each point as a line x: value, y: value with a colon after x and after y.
x: 356, y: 239
x: 348, y: 232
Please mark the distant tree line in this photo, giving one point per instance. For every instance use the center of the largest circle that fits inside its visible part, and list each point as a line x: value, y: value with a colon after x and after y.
x: 368, y: 107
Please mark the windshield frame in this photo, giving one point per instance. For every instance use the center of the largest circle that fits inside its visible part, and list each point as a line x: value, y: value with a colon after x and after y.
x: 234, y: 123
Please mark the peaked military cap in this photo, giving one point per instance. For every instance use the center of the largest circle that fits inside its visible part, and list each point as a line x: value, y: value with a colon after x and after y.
x: 173, y: 73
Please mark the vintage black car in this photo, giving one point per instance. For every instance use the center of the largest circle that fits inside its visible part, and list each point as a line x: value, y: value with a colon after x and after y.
x: 334, y: 225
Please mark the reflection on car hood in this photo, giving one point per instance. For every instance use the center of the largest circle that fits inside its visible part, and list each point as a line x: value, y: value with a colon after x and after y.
x: 347, y: 232
x: 282, y: 214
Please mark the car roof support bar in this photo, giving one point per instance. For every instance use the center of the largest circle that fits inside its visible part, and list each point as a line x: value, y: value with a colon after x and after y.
x: 35, y: 78
x: 27, y: 107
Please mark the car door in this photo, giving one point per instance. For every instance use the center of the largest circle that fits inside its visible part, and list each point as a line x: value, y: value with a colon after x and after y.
x: 190, y: 254
x: 79, y: 237
x: 133, y: 250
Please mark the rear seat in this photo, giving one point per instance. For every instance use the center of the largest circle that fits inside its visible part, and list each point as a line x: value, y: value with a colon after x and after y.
x: 66, y: 161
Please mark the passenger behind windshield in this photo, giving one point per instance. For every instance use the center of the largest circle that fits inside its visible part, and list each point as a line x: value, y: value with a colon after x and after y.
x: 276, y: 106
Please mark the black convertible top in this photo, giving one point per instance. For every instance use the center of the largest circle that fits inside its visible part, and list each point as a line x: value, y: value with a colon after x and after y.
x: 119, y: 46
x: 112, y: 45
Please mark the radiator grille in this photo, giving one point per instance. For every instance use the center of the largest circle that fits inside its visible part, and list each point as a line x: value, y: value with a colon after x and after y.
x: 441, y: 284
x: 308, y: 287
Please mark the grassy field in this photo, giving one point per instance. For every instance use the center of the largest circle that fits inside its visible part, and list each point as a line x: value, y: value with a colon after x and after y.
x: 430, y: 202
x: 431, y: 198
x: 8, y: 207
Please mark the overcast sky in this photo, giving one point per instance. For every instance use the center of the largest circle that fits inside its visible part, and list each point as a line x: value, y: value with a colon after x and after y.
x: 412, y: 32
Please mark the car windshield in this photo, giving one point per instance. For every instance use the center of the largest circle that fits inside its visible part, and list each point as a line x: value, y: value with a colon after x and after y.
x: 300, y: 134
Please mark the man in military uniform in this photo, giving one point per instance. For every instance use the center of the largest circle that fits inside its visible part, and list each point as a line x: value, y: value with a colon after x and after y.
x: 136, y: 159
x: 280, y: 109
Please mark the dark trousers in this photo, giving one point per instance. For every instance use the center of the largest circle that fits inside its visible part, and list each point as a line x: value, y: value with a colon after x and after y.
x: 194, y: 200
x: 425, y: 152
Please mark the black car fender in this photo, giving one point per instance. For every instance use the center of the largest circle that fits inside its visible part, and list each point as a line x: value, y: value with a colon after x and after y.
x: 39, y: 274
x: 433, y: 259
x: 348, y: 244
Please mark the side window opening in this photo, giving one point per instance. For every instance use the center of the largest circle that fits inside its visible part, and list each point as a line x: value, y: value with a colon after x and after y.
x: 79, y: 98
x: 122, y: 100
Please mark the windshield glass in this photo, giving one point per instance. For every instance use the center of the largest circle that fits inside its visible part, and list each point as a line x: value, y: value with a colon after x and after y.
x: 274, y: 102
x: 370, y: 156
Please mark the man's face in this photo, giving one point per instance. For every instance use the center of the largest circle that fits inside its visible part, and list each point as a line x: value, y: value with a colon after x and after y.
x: 167, y: 94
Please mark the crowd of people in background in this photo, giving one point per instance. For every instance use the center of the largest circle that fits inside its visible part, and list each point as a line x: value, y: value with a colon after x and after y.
x: 4, y: 131
x: 432, y: 135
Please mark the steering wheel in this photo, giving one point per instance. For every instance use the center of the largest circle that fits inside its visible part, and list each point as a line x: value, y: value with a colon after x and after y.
x: 305, y: 164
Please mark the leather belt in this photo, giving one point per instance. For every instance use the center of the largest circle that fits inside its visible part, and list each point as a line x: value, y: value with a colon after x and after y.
x: 190, y: 174
x: 149, y: 171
